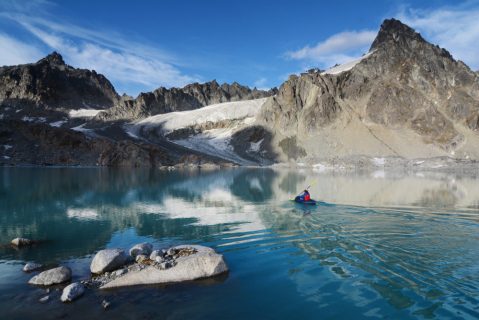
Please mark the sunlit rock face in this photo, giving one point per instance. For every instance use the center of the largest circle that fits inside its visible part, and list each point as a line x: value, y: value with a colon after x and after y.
x: 405, y: 98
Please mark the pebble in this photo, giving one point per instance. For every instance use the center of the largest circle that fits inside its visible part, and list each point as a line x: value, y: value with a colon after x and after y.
x: 31, y: 266
x: 105, y: 304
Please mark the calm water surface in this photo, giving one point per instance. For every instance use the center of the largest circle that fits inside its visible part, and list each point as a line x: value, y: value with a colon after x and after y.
x: 380, y: 245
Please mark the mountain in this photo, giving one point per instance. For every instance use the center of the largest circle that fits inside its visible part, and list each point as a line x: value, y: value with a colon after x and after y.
x: 404, y: 102
x: 50, y: 83
x: 405, y: 98
x: 190, y: 97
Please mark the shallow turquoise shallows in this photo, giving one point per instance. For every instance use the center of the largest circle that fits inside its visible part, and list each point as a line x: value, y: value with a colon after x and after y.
x: 379, y: 245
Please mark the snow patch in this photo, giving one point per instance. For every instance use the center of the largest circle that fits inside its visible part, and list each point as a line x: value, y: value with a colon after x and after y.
x: 6, y: 157
x: 346, y: 66
x: 255, y: 146
x: 82, y: 214
x: 379, y: 162
x: 28, y: 119
x: 84, y: 113
x: 58, y: 124
x: 7, y: 146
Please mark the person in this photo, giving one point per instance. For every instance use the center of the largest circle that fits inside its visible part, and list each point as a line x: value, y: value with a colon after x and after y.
x: 303, y: 196
x: 307, y: 197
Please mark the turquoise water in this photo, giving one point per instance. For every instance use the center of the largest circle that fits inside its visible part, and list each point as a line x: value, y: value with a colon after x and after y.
x: 379, y: 246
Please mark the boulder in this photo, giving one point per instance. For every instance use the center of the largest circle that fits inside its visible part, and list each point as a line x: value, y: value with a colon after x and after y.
x: 21, y: 242
x: 141, y: 248
x: 52, y: 276
x: 72, y: 291
x: 203, y: 263
x: 108, y: 260
x: 31, y: 266
x: 156, y: 253
x: 141, y: 258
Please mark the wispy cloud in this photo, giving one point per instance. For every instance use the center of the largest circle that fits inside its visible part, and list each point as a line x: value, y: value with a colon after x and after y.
x: 16, y: 52
x: 453, y: 28
x: 338, y: 48
x: 129, y: 64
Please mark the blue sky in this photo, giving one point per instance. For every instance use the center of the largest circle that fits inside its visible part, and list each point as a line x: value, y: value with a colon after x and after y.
x: 142, y: 45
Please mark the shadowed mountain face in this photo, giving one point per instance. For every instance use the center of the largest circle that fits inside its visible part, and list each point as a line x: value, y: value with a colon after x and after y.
x: 50, y: 83
x: 406, y: 98
x: 190, y: 97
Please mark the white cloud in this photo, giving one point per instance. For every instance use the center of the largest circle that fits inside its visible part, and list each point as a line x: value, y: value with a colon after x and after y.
x: 455, y: 29
x: 338, y: 48
x: 16, y: 52
x: 261, y: 84
x: 127, y: 63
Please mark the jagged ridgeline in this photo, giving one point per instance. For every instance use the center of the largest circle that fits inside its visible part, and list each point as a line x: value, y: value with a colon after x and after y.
x: 404, y: 99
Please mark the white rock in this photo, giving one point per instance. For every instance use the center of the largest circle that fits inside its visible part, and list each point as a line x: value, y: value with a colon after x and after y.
x: 202, y: 264
x: 72, y: 291
x: 140, y: 258
x: 120, y: 272
x: 141, y: 248
x: 108, y: 260
x: 159, y: 259
x: 52, y: 276
x: 20, y: 242
x: 155, y: 253
x: 44, y: 299
x: 31, y: 266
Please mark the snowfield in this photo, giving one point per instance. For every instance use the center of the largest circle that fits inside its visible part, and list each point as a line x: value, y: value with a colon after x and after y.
x: 346, y: 66
x: 216, y: 141
x: 238, y: 110
x: 84, y: 113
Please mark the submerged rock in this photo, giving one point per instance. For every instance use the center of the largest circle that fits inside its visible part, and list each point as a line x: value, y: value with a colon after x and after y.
x: 141, y: 248
x: 31, y: 266
x: 21, y: 242
x: 192, y: 262
x: 52, y: 276
x: 108, y: 260
x: 105, y: 304
x: 72, y: 291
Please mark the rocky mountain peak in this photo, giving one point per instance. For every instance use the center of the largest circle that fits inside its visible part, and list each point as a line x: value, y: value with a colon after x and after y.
x: 53, y: 58
x: 394, y: 31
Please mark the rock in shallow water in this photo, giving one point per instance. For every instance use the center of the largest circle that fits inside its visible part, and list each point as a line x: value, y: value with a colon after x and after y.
x: 52, y: 276
x: 141, y: 248
x: 203, y: 263
x: 108, y: 260
x: 72, y: 291
x: 31, y: 266
x: 21, y: 242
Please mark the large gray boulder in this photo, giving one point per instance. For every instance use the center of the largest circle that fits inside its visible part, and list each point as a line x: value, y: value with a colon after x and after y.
x: 52, y: 276
x: 108, y: 260
x: 141, y: 248
x: 72, y: 291
x: 203, y: 263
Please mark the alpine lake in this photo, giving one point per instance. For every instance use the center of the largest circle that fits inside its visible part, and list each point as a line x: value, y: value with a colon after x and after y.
x: 378, y: 245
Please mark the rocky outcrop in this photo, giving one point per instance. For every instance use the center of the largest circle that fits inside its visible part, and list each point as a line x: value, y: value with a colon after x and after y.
x: 41, y: 144
x: 50, y: 83
x: 192, y: 96
x: 405, y: 98
x: 52, y: 276
x: 190, y: 262
x: 108, y: 260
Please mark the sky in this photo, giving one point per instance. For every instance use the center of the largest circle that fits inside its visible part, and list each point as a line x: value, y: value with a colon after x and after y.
x: 142, y: 45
